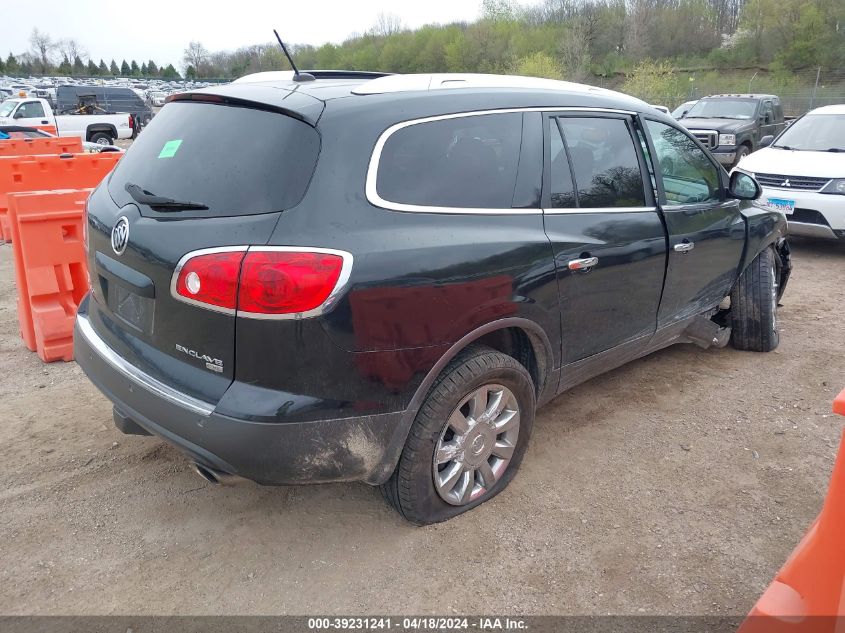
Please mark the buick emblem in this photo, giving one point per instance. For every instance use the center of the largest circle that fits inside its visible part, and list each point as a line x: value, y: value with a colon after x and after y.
x: 785, y: 183
x: 120, y: 235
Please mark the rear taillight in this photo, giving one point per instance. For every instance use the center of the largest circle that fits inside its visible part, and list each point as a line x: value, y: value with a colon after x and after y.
x: 287, y: 282
x: 262, y: 282
x: 210, y: 279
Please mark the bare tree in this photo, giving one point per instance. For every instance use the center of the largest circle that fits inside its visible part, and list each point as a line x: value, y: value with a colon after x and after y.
x: 575, y: 51
x: 41, y: 47
x: 387, y: 24
x: 195, y: 55
x: 71, y: 48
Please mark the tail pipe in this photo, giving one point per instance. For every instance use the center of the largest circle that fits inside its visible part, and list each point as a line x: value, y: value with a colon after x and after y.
x: 216, y: 477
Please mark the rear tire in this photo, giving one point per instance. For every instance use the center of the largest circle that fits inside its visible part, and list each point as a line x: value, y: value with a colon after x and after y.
x: 433, y: 443
x: 754, y: 302
x: 101, y: 138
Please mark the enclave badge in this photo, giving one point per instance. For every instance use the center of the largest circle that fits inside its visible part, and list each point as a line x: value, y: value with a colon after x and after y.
x: 120, y: 235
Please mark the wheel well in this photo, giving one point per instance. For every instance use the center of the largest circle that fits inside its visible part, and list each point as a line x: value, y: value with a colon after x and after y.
x: 518, y: 344
x: 107, y: 129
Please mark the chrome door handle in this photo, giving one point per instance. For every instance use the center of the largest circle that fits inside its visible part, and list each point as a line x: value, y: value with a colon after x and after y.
x: 684, y: 247
x: 583, y: 264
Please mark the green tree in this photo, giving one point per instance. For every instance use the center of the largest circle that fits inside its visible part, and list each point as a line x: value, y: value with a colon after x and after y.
x: 12, y: 66
x: 655, y: 82
x: 125, y: 70
x: 190, y: 72
x: 78, y: 66
x: 65, y: 68
x: 102, y: 68
x: 539, y: 65
x: 170, y: 73
x: 93, y: 71
x: 144, y: 70
x: 152, y: 69
x: 134, y: 70
x: 113, y: 69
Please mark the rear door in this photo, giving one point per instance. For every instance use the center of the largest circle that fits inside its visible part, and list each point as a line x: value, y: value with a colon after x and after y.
x: 706, y: 230
x: 194, y: 152
x: 606, y: 232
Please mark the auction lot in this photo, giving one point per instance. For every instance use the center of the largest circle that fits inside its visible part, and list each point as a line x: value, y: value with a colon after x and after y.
x: 675, y: 485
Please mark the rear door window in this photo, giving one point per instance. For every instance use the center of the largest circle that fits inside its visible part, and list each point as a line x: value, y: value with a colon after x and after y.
x: 604, y: 162
x: 234, y: 160
x: 463, y: 162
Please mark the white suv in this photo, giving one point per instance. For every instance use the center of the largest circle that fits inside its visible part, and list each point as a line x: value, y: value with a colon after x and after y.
x: 803, y: 173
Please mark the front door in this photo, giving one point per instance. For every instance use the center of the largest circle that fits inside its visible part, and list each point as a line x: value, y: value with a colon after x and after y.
x: 31, y: 114
x: 606, y: 233
x: 706, y: 229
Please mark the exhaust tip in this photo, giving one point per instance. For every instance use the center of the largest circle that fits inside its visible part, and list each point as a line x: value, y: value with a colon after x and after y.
x: 216, y: 477
x: 206, y: 473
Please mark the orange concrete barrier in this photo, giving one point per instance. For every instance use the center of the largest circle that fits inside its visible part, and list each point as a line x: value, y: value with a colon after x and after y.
x: 35, y: 146
x: 44, y: 173
x: 808, y: 593
x: 51, y: 272
x: 50, y: 129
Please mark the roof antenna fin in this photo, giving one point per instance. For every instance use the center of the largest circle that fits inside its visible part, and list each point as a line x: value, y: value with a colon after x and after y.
x: 297, y: 76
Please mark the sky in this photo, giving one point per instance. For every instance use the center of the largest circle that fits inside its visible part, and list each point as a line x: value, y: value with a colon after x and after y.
x: 160, y: 29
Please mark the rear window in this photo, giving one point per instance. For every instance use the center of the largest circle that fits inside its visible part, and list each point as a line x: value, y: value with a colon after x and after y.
x: 464, y: 162
x: 234, y: 160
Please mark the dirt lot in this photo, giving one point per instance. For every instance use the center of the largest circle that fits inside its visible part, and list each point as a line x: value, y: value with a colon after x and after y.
x: 675, y: 485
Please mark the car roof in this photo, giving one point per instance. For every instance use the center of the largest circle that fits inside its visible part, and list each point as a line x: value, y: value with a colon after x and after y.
x: 307, y: 99
x: 830, y: 109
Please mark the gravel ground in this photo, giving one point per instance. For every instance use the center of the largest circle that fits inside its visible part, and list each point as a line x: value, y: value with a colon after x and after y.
x: 675, y: 485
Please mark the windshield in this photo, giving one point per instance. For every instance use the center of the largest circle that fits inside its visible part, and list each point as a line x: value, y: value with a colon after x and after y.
x: 815, y: 132
x: 723, y: 109
x: 233, y: 160
x: 6, y: 107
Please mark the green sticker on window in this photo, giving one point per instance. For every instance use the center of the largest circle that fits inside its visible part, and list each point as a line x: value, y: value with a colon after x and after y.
x: 169, y: 149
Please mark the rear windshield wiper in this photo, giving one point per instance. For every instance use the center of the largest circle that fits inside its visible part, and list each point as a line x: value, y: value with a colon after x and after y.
x: 835, y: 149
x: 160, y: 202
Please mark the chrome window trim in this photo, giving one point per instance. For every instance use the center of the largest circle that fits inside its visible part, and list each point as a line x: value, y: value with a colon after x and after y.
x: 136, y: 375
x: 375, y: 199
x: 584, y: 210
x: 339, y: 288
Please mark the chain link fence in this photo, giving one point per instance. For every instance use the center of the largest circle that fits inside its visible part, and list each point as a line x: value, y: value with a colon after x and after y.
x: 799, y: 91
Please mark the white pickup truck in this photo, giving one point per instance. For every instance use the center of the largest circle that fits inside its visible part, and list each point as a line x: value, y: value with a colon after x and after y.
x: 103, y: 129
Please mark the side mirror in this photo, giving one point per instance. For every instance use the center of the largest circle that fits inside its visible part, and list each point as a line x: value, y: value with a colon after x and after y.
x: 744, y: 187
x: 766, y: 141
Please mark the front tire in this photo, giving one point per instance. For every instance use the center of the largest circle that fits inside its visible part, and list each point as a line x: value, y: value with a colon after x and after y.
x: 468, y: 439
x: 754, y: 301
x: 741, y: 153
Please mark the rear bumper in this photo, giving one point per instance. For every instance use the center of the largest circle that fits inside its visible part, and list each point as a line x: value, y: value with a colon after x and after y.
x: 356, y: 448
